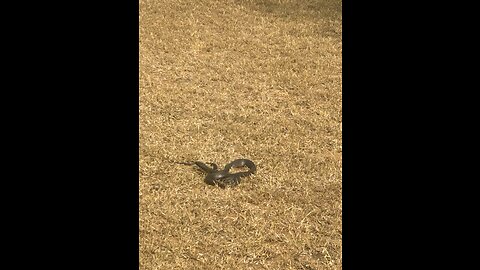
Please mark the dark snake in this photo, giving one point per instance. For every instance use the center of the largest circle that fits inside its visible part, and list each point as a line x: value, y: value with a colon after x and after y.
x: 224, y: 178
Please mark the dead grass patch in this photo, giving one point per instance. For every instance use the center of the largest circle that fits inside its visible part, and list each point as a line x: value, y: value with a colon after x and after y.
x: 227, y: 79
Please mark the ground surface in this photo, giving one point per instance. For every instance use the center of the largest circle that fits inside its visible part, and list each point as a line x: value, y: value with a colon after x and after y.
x: 227, y: 79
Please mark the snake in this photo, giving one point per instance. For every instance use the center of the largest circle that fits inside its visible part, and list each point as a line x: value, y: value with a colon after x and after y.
x: 224, y: 178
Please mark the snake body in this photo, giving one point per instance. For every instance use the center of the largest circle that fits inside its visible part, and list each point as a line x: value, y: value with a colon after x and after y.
x: 222, y: 178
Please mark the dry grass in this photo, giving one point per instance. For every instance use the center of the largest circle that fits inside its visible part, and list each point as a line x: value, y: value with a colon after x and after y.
x: 227, y: 79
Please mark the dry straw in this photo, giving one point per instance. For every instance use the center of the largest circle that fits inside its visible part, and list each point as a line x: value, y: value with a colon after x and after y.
x: 227, y: 79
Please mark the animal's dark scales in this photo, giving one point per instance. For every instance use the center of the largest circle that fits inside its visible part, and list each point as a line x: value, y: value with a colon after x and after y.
x: 224, y: 178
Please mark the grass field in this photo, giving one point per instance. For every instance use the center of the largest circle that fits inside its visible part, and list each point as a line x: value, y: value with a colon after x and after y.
x: 227, y: 79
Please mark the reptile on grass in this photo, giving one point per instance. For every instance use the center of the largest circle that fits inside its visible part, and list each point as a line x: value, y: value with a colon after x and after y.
x: 224, y: 178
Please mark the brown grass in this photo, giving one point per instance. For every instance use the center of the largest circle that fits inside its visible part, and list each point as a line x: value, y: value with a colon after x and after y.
x: 227, y: 79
